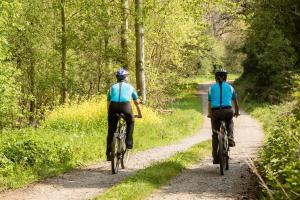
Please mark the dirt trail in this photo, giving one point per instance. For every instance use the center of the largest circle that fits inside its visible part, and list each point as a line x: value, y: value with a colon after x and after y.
x: 93, y: 180
x: 202, y: 181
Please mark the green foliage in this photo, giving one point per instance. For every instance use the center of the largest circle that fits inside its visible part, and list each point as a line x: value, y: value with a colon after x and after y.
x: 233, y: 56
x: 272, y: 49
x: 25, y: 156
x: 75, y: 134
x: 156, y: 175
x: 9, y: 87
x: 179, y: 41
x: 9, y: 91
x: 279, y: 159
x: 86, y: 116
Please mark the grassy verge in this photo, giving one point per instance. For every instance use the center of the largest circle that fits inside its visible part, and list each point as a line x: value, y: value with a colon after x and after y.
x: 145, y: 181
x: 75, y: 135
x: 279, y: 162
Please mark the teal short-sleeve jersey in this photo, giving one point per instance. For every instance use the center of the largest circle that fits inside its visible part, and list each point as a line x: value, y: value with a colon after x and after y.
x: 121, y: 92
x: 228, y: 94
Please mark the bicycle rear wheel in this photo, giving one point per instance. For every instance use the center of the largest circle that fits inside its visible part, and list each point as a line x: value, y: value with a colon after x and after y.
x: 226, y: 163
x: 115, y: 162
x: 226, y: 155
x: 221, y: 154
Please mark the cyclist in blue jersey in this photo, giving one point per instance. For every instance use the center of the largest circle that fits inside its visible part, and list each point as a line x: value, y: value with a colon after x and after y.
x: 221, y: 95
x: 118, y: 102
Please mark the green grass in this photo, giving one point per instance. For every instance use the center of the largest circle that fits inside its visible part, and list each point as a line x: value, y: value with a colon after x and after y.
x: 205, y: 78
x: 75, y: 135
x: 279, y: 162
x: 145, y: 181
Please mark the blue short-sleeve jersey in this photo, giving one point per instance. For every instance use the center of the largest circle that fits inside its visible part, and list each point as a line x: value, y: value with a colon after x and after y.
x: 121, y: 92
x: 228, y: 94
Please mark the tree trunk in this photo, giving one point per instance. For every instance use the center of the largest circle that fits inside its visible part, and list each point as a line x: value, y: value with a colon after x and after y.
x: 31, y: 74
x: 63, y: 53
x: 107, y: 61
x: 99, y: 65
x: 124, y: 33
x: 139, y: 34
x: 107, y: 41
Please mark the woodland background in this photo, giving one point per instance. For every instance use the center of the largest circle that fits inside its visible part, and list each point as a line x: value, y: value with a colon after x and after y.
x: 58, y: 58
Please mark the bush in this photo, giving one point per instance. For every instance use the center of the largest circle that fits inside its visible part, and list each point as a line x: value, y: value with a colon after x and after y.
x: 280, y: 156
x: 9, y: 87
x: 28, y: 152
x: 9, y: 91
x: 87, y: 116
x: 279, y: 161
x: 272, y: 53
x: 74, y: 135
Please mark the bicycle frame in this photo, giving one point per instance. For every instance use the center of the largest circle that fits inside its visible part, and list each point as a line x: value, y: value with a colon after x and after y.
x: 225, y: 134
x: 121, y: 134
x: 223, y: 148
x: 119, y: 147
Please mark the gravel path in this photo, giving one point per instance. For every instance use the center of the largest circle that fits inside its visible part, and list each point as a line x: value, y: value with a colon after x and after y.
x: 202, y: 181
x: 91, y: 181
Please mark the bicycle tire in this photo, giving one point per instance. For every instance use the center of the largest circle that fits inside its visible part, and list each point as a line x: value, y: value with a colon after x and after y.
x: 125, y: 159
x: 226, y: 155
x: 221, y: 154
x: 115, y: 161
x: 226, y: 163
x: 123, y: 150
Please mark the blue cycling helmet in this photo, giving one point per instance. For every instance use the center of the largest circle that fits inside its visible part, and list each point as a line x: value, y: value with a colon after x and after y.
x: 121, y: 74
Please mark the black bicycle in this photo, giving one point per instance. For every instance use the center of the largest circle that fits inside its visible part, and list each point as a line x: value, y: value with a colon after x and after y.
x: 223, y: 148
x: 120, y: 155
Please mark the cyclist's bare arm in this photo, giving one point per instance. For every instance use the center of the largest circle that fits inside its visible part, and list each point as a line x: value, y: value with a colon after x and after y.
x: 236, y: 108
x: 138, y: 107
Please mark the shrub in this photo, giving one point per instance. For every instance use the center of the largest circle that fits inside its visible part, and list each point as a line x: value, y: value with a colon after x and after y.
x: 279, y: 161
x: 75, y: 134
x: 280, y: 155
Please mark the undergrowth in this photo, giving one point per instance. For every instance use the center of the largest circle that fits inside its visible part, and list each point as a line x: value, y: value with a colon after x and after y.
x: 75, y: 135
x: 279, y: 162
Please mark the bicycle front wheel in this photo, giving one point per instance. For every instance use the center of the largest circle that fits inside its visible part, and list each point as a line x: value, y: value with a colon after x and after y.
x: 125, y: 159
x: 115, y: 162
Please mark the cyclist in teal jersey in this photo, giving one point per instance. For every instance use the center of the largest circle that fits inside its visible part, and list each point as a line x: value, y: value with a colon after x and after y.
x: 118, y: 102
x: 221, y: 95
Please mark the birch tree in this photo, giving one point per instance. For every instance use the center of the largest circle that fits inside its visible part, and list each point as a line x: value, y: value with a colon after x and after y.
x: 124, y: 33
x: 140, y: 57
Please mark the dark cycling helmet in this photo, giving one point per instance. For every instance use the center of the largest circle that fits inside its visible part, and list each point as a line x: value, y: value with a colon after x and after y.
x: 221, y: 74
x: 121, y: 74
